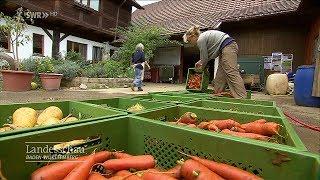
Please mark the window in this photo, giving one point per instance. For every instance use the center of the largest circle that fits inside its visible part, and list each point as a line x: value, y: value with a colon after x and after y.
x: 96, y: 53
x: 4, y: 42
x: 94, y: 4
x: 37, y: 44
x: 77, y: 47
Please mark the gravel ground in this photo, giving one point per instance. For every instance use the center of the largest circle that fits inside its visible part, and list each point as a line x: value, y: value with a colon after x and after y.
x: 307, y: 114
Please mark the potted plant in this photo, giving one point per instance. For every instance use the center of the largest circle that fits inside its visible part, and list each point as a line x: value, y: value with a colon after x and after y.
x: 12, y: 28
x: 49, y: 79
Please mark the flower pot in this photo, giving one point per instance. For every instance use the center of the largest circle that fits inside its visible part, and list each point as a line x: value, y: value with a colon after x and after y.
x: 50, y: 81
x: 16, y: 80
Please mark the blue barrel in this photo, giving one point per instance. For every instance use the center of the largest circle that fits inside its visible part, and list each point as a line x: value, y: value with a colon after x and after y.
x: 303, y: 83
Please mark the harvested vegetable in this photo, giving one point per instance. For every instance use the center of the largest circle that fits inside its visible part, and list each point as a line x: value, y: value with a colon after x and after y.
x: 96, y: 176
x: 70, y: 119
x: 212, y: 127
x: 156, y: 175
x: 50, y: 121
x: 59, y: 170
x: 191, y: 170
x: 53, y: 111
x: 3, y: 129
x: 142, y: 162
x: 224, y: 170
x: 267, y: 129
x: 120, y: 155
x: 225, y: 124
x: 81, y: 171
x: 24, y: 117
x: 136, y: 108
x: 175, y: 172
x: 188, y: 118
x: 203, y: 125
x: 246, y: 135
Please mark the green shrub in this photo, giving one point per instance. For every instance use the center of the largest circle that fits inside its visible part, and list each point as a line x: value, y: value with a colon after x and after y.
x: 69, y: 69
x: 129, y: 72
x: 94, y: 71
x: 113, y: 69
x: 75, y: 57
x: 37, y: 65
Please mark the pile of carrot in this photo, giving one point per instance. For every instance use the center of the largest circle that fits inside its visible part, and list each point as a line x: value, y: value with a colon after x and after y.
x: 259, y: 129
x: 122, y: 166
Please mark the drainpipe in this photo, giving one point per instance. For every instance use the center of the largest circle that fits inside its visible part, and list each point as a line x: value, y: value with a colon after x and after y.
x: 115, y: 33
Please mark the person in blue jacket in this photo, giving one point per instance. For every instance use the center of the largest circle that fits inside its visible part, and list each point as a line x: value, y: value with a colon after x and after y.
x: 137, y: 59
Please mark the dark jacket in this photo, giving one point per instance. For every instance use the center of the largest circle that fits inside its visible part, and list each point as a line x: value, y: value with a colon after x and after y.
x: 138, y: 58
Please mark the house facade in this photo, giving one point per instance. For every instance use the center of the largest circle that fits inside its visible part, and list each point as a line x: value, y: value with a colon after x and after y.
x: 259, y: 27
x: 84, y: 26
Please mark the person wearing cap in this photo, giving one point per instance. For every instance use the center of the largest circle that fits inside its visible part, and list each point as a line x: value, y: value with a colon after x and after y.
x: 213, y: 44
x: 138, y: 58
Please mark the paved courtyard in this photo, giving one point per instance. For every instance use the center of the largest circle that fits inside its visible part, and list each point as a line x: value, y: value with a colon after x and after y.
x: 307, y: 114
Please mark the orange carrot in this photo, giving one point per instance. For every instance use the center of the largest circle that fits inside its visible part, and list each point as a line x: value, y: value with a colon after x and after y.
x: 203, y: 125
x: 259, y: 121
x: 156, y: 175
x: 193, y: 170
x: 136, y: 162
x: 120, y: 155
x: 82, y: 171
x: 225, y: 124
x: 267, y: 129
x: 96, y: 176
x: 212, y: 127
x: 61, y: 169
x: 192, y: 125
x: 127, y: 175
x: 188, y: 118
x: 246, y: 135
x: 237, y: 129
x: 175, y: 172
x: 224, y: 170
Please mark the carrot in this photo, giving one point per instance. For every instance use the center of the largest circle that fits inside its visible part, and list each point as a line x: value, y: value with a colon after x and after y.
x: 156, y: 175
x: 224, y: 170
x: 175, y: 172
x: 259, y: 121
x: 237, y: 129
x: 246, y: 135
x: 188, y: 118
x: 120, y: 155
x: 192, y: 125
x: 267, y: 129
x: 61, y: 169
x: 136, y: 162
x: 203, y: 125
x: 225, y: 124
x: 213, y: 127
x: 127, y: 175
x: 193, y: 170
x: 96, y: 176
x: 178, y: 123
x: 82, y: 171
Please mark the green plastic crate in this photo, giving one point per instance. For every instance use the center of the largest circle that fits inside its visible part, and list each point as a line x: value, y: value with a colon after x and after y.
x: 88, y: 112
x: 289, y: 136
x: 204, y: 82
x: 140, y: 136
x: 123, y: 104
x: 225, y: 99
x: 165, y: 98
x: 237, y: 107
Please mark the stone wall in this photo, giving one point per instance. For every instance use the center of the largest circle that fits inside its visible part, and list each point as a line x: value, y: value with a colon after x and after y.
x: 101, y: 83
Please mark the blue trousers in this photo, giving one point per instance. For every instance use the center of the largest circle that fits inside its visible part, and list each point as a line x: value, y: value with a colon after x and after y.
x: 137, y: 77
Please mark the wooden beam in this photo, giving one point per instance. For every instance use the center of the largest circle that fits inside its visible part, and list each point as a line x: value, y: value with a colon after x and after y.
x: 48, y: 33
x: 63, y: 37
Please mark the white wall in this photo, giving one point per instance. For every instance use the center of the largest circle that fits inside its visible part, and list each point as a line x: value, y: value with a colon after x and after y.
x: 26, y: 50
x: 90, y: 44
